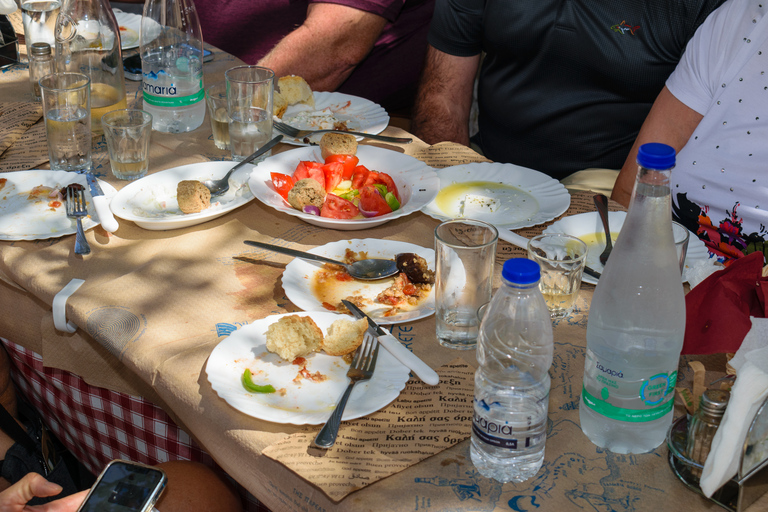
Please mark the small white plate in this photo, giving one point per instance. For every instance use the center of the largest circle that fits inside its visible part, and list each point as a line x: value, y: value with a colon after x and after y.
x: 416, y: 183
x: 361, y: 115
x: 505, y: 195
x: 151, y: 203
x: 304, y: 402
x: 129, y: 25
x: 41, y: 218
x: 299, y: 276
x: 589, y: 228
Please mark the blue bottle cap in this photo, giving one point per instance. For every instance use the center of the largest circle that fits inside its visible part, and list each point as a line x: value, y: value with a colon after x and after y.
x: 655, y: 155
x: 521, y: 271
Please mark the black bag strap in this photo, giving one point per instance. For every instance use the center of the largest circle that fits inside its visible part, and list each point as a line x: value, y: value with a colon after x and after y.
x: 9, y: 425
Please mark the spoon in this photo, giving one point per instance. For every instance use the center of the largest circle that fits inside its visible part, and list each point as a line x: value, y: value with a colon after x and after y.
x: 365, y: 270
x: 601, y: 201
x: 219, y: 187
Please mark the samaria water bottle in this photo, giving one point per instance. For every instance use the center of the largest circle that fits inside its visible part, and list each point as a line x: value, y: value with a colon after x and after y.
x: 172, y: 65
x: 636, y: 321
x: 514, y: 353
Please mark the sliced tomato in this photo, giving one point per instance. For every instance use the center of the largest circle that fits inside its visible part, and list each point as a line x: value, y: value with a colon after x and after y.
x: 348, y: 161
x: 371, y: 179
x: 283, y: 183
x: 335, y: 207
x: 333, y: 172
x: 386, y: 179
x: 372, y: 204
x: 303, y: 171
x: 360, y: 176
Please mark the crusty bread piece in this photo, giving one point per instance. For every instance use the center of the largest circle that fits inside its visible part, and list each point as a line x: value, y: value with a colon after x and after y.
x: 295, y: 89
x: 306, y: 191
x: 337, y: 144
x: 278, y: 104
x: 192, y: 196
x: 344, y: 336
x: 294, y: 336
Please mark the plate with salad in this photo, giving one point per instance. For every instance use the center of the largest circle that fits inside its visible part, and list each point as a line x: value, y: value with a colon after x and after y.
x: 346, y: 192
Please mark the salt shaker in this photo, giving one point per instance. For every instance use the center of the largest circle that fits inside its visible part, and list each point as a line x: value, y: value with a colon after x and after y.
x: 703, y: 425
x: 41, y: 63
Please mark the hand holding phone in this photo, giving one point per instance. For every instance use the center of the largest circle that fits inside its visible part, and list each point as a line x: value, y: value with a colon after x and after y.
x: 125, y: 486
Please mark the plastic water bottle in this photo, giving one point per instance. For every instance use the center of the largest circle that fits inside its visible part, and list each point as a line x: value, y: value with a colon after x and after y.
x: 636, y: 321
x: 514, y: 352
x: 172, y: 65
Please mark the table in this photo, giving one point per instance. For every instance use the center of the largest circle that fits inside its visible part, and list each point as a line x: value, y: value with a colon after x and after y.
x: 185, y: 291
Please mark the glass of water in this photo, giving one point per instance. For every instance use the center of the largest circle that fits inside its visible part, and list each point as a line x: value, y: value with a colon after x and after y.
x: 66, y: 101
x: 128, y: 132
x: 249, y: 105
x: 216, y: 99
x: 562, y: 259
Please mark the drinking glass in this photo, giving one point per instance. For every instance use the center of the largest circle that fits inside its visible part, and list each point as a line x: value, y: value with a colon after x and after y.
x: 67, y: 110
x: 249, y: 105
x: 216, y: 99
x: 128, y: 133
x: 681, y: 235
x: 562, y: 259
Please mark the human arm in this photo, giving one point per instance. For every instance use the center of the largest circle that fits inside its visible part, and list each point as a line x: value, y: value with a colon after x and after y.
x: 327, y: 47
x: 441, y: 112
x: 15, y: 498
x: 671, y: 122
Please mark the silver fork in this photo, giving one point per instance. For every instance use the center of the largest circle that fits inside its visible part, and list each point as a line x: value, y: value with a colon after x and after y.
x: 362, y: 368
x: 300, y: 134
x: 76, y: 208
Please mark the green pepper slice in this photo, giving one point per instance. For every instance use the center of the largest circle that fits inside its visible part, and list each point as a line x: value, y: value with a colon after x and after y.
x: 250, y: 386
x: 392, y: 201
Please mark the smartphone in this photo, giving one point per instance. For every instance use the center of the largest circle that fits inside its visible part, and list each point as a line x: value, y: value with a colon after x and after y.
x: 125, y: 486
x: 132, y: 65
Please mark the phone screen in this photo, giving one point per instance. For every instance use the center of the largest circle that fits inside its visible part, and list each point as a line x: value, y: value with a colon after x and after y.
x: 124, y: 487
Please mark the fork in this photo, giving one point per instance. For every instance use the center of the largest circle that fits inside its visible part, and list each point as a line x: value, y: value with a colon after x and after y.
x: 300, y: 134
x: 76, y: 208
x: 362, y: 368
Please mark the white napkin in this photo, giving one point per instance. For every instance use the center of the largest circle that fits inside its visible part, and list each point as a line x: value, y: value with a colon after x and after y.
x: 700, y: 270
x: 749, y: 392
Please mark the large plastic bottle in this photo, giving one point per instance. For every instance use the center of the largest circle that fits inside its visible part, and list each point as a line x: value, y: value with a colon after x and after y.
x: 514, y: 353
x: 172, y: 65
x: 636, y: 321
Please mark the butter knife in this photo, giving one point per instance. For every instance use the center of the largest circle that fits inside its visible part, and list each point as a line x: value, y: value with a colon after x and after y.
x: 394, y: 347
x: 101, y: 204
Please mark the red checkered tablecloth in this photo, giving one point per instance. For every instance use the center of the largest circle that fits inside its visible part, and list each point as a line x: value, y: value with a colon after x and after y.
x: 98, y: 425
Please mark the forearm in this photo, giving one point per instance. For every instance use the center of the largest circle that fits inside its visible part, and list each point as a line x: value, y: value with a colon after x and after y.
x: 441, y: 112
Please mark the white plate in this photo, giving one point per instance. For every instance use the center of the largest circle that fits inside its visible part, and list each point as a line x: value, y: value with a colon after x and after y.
x: 416, y: 183
x: 518, y: 197
x: 589, y: 227
x: 298, y: 278
x: 305, y: 402
x: 22, y: 219
x: 129, y: 25
x: 151, y: 203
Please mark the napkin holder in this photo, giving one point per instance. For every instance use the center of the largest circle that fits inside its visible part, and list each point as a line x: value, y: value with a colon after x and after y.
x: 748, y: 485
x: 9, y: 43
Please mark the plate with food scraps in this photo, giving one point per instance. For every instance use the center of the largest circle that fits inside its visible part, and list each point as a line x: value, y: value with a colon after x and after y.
x: 589, y: 228
x: 32, y: 204
x: 505, y: 195
x: 312, y: 286
x: 151, y: 201
x: 306, y: 393
x: 416, y: 182
x: 129, y: 25
x: 334, y: 111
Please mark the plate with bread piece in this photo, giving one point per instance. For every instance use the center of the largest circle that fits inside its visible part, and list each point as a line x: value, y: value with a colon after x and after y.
x: 176, y: 198
x: 341, y: 185
x: 295, y: 104
x: 292, y: 368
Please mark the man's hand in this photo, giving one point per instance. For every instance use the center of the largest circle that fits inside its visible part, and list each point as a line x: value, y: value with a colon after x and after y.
x: 441, y: 112
x: 15, y: 498
x: 327, y: 46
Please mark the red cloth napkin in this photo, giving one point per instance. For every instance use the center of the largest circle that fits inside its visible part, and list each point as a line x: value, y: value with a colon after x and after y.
x: 718, y: 309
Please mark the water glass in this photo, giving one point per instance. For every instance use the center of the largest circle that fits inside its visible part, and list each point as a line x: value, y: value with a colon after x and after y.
x: 128, y: 133
x: 562, y: 259
x: 216, y: 99
x: 465, y: 251
x: 67, y: 110
x: 681, y: 235
x: 249, y: 106
x: 39, y: 19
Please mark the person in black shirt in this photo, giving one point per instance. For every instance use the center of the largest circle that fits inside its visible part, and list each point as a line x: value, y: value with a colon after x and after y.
x: 564, y: 85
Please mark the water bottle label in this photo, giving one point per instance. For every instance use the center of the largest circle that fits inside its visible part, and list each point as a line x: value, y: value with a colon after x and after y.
x: 166, y: 96
x: 655, y: 394
x: 504, y: 435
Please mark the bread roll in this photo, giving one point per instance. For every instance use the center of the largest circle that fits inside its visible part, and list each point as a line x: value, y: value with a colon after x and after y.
x: 295, y: 89
x: 294, y: 336
x: 337, y: 144
x: 344, y: 336
x: 278, y: 104
x: 192, y: 196
x: 305, y: 192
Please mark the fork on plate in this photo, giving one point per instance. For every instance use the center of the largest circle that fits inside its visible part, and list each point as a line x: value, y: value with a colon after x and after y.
x: 76, y: 208
x: 301, y: 134
x: 361, y: 369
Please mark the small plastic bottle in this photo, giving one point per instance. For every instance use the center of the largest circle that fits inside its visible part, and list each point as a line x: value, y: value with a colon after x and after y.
x: 514, y: 353
x: 41, y: 63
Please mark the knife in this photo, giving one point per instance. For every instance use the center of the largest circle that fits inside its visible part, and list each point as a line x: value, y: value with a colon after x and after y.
x: 101, y: 204
x: 402, y: 354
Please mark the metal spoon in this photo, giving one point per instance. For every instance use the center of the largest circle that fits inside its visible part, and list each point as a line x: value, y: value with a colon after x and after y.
x: 601, y: 201
x: 219, y: 187
x: 365, y: 270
